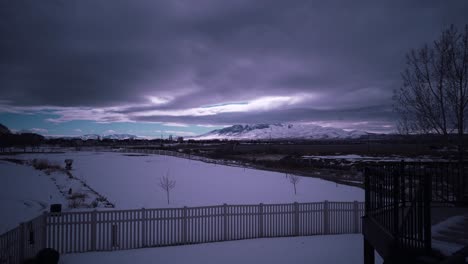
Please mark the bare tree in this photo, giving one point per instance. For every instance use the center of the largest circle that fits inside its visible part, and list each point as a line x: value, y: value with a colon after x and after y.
x: 167, y: 184
x: 457, y: 70
x: 294, y: 179
x: 434, y: 95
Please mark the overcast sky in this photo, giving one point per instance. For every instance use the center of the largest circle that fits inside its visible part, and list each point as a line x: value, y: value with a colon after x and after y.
x: 148, y: 67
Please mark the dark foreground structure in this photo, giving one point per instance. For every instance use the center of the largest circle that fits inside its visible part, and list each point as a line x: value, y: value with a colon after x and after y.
x: 404, y: 201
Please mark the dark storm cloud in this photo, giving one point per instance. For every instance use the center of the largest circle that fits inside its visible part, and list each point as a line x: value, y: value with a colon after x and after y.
x: 196, y: 53
x: 374, y: 114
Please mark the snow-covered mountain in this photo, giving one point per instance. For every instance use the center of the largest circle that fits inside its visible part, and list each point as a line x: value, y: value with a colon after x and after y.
x: 112, y: 136
x: 90, y: 136
x: 280, y: 131
x: 119, y: 136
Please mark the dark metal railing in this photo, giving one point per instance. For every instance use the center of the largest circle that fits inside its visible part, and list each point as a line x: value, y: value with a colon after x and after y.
x: 399, y: 197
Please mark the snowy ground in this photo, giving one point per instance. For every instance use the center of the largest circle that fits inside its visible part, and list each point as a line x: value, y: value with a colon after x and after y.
x: 443, y: 231
x: 24, y: 194
x: 314, y: 249
x: 131, y: 181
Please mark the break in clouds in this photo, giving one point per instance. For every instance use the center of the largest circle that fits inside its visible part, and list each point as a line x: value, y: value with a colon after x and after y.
x: 213, y: 62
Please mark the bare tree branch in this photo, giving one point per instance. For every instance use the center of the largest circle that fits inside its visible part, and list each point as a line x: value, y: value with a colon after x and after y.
x: 294, y: 179
x: 434, y: 94
x: 167, y: 184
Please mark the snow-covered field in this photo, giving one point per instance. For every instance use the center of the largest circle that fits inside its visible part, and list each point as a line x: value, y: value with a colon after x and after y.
x: 131, y: 181
x: 316, y: 249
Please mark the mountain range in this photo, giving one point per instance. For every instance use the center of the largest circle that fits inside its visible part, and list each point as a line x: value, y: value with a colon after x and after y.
x: 280, y: 131
x: 112, y: 136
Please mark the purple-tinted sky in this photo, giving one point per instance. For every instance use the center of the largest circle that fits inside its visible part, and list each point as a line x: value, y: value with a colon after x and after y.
x: 203, y: 62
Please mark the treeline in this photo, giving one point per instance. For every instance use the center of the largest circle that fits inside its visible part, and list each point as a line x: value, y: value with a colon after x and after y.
x: 24, y: 141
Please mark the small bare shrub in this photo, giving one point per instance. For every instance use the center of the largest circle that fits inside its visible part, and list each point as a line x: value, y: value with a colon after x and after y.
x: 94, y: 203
x: 294, y: 179
x: 77, y: 195
x: 43, y: 164
x: 74, y: 204
x: 101, y: 199
x: 167, y: 184
x: 76, y: 200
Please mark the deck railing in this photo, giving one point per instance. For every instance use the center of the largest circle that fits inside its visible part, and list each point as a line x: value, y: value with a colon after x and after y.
x: 73, y: 232
x: 399, y: 197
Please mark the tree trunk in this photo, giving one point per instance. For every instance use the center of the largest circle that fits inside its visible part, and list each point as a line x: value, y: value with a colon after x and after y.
x: 167, y: 192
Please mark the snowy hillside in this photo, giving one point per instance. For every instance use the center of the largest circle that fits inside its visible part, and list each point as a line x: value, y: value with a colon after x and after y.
x: 119, y: 136
x: 90, y: 136
x: 112, y: 136
x: 281, y: 131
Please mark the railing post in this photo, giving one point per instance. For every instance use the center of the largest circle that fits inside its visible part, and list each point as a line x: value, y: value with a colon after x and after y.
x: 326, y: 226
x: 184, y: 225
x: 296, y: 219
x: 225, y: 219
x: 462, y: 178
x: 402, y: 178
x: 21, y: 243
x: 396, y: 207
x: 143, y: 227
x: 356, y: 216
x: 367, y: 190
x: 260, y: 220
x: 369, y: 257
x: 93, y: 230
x: 427, y: 213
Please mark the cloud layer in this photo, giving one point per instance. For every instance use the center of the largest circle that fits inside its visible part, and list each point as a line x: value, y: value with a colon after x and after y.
x: 213, y: 62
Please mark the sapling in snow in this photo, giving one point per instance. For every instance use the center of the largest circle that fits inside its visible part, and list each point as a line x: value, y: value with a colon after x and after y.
x: 167, y: 184
x: 294, y: 179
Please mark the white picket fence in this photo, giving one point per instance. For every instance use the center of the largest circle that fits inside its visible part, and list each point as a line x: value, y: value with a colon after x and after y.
x: 72, y: 232
x: 24, y: 241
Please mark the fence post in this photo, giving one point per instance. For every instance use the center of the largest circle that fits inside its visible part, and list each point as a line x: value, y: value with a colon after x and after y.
x: 21, y: 243
x: 296, y: 219
x: 93, y: 230
x: 260, y: 220
x: 356, y: 216
x: 225, y: 217
x: 403, y: 183
x: 396, y: 205
x: 427, y: 212
x: 367, y: 190
x: 143, y: 227
x: 184, y: 225
x: 44, y: 230
x: 326, y: 227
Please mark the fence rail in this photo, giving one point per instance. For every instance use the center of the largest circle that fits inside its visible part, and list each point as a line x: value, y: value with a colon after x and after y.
x: 73, y: 232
